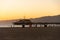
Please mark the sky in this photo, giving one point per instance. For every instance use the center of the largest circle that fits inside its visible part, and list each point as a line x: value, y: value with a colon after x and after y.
x: 17, y: 9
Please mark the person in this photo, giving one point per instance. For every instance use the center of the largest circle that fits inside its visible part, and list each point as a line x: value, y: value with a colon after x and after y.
x: 23, y: 26
x: 45, y: 25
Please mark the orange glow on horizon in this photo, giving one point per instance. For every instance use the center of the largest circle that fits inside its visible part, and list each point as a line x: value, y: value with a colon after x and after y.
x: 15, y: 9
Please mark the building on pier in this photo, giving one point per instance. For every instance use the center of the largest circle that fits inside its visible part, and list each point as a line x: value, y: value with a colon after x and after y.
x: 23, y: 22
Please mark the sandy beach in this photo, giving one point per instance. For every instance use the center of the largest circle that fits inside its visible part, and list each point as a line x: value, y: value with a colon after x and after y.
x: 40, y: 33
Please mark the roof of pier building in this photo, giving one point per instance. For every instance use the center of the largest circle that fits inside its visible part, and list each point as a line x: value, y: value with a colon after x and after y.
x: 23, y: 21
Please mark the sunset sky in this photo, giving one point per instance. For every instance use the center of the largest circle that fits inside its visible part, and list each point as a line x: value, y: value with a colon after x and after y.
x: 15, y: 9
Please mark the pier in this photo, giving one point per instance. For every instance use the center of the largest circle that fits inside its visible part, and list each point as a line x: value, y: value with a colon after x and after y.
x: 24, y: 22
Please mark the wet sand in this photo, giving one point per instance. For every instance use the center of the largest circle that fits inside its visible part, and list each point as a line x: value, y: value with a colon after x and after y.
x: 42, y: 33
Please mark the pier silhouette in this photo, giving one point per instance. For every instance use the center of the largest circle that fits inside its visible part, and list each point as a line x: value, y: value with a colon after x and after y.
x: 24, y: 22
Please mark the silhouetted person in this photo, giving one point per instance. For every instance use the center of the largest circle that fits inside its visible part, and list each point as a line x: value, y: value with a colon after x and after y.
x: 45, y: 25
x: 23, y: 26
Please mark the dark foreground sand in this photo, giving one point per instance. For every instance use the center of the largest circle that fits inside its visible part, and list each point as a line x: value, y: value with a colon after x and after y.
x: 49, y: 33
